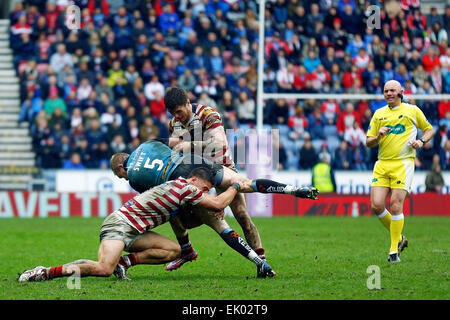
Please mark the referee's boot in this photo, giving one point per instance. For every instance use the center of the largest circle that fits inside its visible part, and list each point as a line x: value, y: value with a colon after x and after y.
x: 394, y: 258
x: 402, y: 244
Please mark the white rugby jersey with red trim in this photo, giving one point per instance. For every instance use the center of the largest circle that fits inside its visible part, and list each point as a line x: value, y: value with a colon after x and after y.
x: 155, y: 206
x: 203, y: 124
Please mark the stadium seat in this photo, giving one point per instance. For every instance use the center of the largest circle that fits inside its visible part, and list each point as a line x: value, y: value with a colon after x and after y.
x: 333, y: 143
x: 283, y: 130
x: 317, y: 144
x: 330, y: 130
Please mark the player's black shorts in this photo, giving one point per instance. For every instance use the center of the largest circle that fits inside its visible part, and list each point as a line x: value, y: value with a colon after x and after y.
x: 196, y: 161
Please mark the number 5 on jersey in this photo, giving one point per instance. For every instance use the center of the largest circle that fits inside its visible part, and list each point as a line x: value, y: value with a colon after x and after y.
x: 152, y: 165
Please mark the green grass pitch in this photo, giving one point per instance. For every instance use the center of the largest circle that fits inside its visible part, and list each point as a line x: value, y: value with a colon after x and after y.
x: 315, y: 258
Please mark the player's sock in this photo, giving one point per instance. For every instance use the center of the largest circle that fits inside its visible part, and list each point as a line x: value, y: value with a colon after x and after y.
x: 234, y: 240
x: 385, y: 219
x: 396, y: 229
x: 128, y: 260
x: 270, y: 186
x: 261, y: 253
x: 185, y: 244
x: 54, y: 272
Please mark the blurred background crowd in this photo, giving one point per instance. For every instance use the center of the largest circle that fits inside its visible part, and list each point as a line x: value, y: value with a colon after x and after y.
x: 89, y: 93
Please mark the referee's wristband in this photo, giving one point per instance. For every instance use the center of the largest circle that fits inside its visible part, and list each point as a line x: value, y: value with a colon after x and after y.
x: 423, y: 141
x: 237, y: 186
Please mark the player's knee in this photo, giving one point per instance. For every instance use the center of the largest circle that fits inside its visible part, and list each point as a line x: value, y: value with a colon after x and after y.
x: 396, y: 206
x: 377, y: 208
x: 105, y: 270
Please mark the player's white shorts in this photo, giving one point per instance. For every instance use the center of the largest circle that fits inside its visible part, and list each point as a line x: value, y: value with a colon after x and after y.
x: 114, y: 228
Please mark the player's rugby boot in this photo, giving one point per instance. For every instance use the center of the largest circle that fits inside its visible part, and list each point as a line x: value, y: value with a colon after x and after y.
x: 121, y: 272
x: 402, y: 244
x: 39, y: 273
x: 394, y: 258
x: 178, y: 262
x: 306, y: 192
x: 264, y: 270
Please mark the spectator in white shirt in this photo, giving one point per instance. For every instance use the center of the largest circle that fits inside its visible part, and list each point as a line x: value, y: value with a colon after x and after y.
x: 60, y: 59
x: 153, y: 87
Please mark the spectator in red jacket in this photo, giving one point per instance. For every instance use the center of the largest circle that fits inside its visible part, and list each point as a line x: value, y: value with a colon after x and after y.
x: 51, y: 15
x: 443, y: 108
x: 102, y: 4
x: 430, y: 60
x: 346, y: 118
x: 348, y: 79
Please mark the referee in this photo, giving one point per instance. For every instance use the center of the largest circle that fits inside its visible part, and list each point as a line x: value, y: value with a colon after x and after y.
x: 394, y: 128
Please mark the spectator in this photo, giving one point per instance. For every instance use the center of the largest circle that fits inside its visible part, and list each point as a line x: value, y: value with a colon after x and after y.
x: 354, y: 136
x: 346, y: 118
x: 316, y: 125
x: 443, y: 108
x: 445, y: 155
x: 342, y: 157
x: 49, y: 155
x: 330, y: 110
x: 118, y: 145
x: 60, y: 59
x: 187, y: 80
x: 311, y: 62
x: 434, y: 181
x: 53, y: 102
x: 430, y: 59
x: 425, y: 157
x: 148, y: 130
x: 74, y: 163
x: 21, y: 27
x: 154, y: 87
x: 278, y: 111
x: 57, y: 118
x: 308, y: 155
x: 84, y: 89
x: 323, y: 177
x: 168, y: 19
x: 245, y: 107
x: 94, y: 134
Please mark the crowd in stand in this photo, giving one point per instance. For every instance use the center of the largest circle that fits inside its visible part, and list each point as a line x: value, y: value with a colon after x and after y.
x: 98, y: 90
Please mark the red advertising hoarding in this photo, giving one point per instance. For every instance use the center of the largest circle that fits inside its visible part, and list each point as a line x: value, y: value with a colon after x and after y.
x: 100, y: 204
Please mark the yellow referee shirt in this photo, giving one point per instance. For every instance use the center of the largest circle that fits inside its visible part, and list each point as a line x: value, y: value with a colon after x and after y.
x: 403, y: 122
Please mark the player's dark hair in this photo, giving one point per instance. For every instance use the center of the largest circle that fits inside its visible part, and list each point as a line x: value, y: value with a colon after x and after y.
x: 175, y: 97
x: 202, y: 173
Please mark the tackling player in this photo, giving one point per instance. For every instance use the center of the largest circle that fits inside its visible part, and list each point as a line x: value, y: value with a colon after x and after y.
x: 198, y: 129
x: 394, y: 129
x: 153, y: 163
x: 128, y: 228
